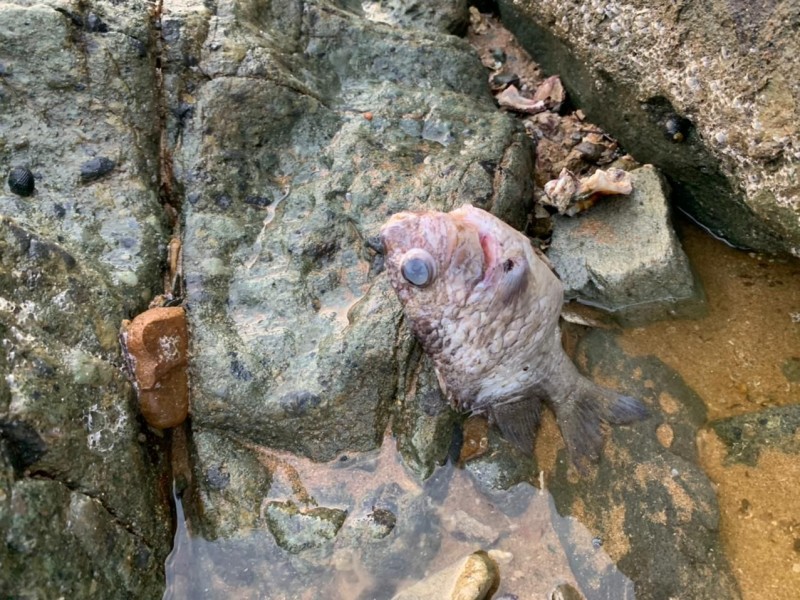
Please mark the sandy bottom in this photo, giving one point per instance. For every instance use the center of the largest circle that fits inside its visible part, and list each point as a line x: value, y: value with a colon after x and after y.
x: 738, y: 359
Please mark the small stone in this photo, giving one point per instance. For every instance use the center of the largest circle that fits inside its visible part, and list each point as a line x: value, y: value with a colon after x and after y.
x: 21, y: 181
x: 565, y: 592
x: 96, y: 168
x: 472, y: 578
x: 296, y: 530
x: 156, y: 347
x: 463, y: 526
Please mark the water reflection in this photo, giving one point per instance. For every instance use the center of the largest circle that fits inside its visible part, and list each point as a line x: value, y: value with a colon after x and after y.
x: 435, y: 523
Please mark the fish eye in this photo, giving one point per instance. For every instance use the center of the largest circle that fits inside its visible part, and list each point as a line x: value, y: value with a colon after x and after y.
x: 418, y: 268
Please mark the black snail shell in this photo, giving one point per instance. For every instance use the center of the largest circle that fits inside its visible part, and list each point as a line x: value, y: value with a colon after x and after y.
x: 676, y: 128
x: 20, y: 180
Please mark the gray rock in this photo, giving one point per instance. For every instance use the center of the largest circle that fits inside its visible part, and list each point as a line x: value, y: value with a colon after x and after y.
x: 297, y: 529
x: 623, y: 255
x: 471, y: 578
x: 746, y: 435
x: 295, y: 335
x: 707, y: 71
x: 648, y: 503
x: 83, y: 509
x: 449, y: 16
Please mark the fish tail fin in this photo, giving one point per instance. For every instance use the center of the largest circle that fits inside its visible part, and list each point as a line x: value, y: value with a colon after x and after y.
x: 581, y: 416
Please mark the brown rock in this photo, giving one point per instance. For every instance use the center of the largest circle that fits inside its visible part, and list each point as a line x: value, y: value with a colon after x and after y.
x: 156, y: 345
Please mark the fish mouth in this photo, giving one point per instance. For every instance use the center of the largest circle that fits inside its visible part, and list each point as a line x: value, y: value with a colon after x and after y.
x: 491, y: 252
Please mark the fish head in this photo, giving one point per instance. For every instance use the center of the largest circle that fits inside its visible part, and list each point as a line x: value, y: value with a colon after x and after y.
x: 454, y: 266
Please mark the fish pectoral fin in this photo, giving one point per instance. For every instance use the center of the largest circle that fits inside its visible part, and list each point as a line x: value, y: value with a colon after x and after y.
x: 517, y: 422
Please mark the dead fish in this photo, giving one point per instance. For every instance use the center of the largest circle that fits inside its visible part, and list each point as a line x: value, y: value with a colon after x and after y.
x: 485, y: 308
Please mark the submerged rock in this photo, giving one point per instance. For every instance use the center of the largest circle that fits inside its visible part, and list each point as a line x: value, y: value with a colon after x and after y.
x: 623, y: 255
x: 700, y: 93
x: 745, y: 436
x: 472, y: 578
x: 651, y: 507
x: 297, y: 529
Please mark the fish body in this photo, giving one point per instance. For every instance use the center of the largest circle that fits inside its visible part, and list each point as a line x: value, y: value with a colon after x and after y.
x: 485, y: 308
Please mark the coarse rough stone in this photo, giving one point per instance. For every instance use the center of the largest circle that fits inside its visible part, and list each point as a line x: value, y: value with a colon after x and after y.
x: 296, y: 529
x: 651, y: 507
x: 450, y: 16
x: 622, y: 254
x: 297, y: 146
x: 83, y: 510
x: 471, y: 578
x: 724, y: 72
x: 747, y: 435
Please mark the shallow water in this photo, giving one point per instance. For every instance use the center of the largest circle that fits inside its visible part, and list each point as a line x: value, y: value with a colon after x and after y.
x: 736, y: 358
x: 739, y: 359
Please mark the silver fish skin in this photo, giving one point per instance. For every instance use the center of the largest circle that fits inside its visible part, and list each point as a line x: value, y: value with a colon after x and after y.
x: 485, y: 308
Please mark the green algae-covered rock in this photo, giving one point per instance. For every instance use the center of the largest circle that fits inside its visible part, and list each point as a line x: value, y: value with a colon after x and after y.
x: 83, y: 511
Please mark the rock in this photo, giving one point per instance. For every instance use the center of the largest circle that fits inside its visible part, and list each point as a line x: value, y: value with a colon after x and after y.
x: 450, y: 16
x: 311, y: 340
x: 84, y: 504
x: 651, y: 508
x: 50, y: 518
x: 259, y: 506
x: 745, y: 436
x: 155, y: 345
x: 699, y: 93
x: 297, y: 529
x: 472, y: 578
x: 623, y: 255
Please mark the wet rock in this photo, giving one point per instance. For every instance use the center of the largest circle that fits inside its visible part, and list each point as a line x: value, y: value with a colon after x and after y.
x: 83, y: 492
x: 450, y: 16
x: 652, y: 509
x: 501, y: 468
x: 156, y: 344
x: 230, y: 483
x: 745, y: 436
x: 711, y: 77
x: 48, y: 515
x: 248, y: 502
x: 307, y: 315
x: 472, y: 578
x: 623, y: 255
x: 297, y: 529
x: 20, y: 181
